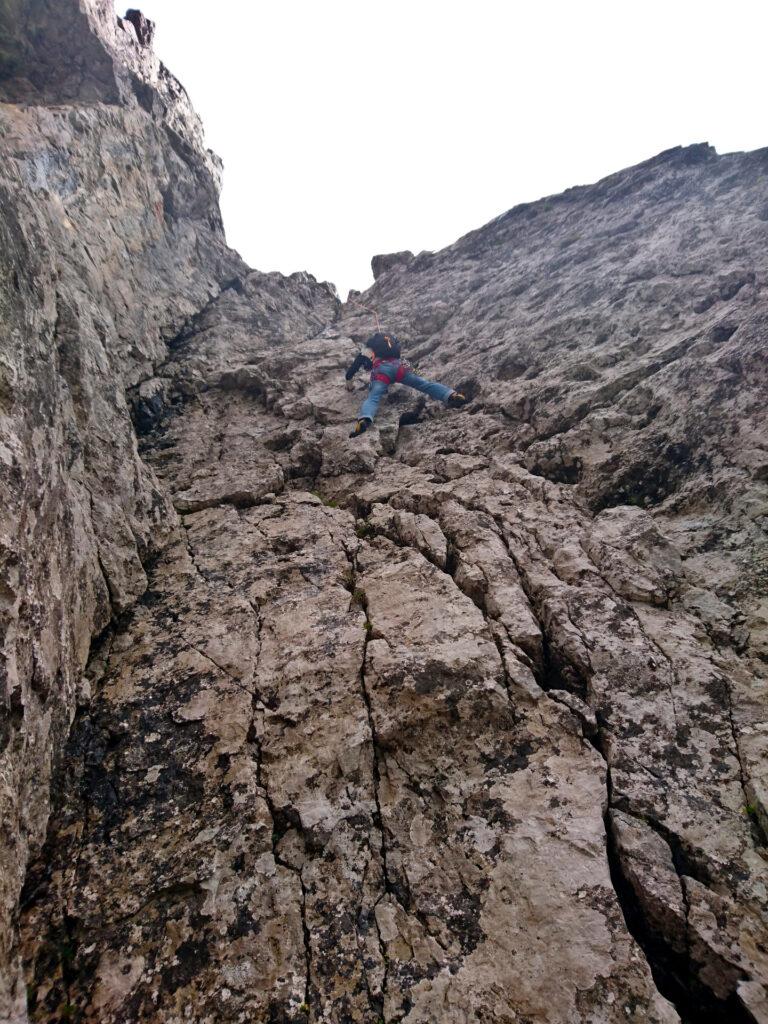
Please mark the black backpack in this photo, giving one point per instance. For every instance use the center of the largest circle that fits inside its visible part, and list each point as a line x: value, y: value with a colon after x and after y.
x: 384, y: 346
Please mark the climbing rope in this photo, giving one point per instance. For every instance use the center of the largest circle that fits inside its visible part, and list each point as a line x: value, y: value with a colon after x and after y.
x: 368, y: 309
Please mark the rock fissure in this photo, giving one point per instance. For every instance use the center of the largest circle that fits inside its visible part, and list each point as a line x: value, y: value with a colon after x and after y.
x: 282, y: 862
x: 671, y: 958
x: 359, y: 598
x: 235, y: 681
x: 654, y: 948
x: 674, y: 970
x: 760, y: 834
x: 376, y: 1000
x: 193, y: 323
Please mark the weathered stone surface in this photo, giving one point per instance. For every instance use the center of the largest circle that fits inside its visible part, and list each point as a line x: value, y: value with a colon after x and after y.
x: 110, y: 238
x: 648, y: 866
x: 388, y: 261
x: 464, y: 719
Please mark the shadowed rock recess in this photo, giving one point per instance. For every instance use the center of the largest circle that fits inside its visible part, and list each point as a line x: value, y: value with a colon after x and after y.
x: 463, y: 720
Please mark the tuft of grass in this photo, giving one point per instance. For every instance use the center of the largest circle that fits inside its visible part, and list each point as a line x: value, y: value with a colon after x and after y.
x: 364, y: 530
x: 368, y: 626
x: 328, y: 502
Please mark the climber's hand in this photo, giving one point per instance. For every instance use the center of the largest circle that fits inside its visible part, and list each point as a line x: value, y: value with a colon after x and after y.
x: 349, y: 385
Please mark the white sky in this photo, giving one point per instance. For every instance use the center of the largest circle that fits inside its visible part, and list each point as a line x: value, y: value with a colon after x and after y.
x: 354, y: 127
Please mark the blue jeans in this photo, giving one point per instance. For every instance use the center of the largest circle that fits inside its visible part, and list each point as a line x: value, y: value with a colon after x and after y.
x: 377, y: 388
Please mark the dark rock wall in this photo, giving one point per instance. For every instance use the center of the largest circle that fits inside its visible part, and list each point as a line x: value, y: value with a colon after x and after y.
x: 461, y: 720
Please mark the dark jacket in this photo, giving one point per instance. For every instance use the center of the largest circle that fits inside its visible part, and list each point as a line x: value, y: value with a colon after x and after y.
x: 383, y: 346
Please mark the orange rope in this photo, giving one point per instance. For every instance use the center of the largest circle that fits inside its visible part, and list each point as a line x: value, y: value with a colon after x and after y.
x: 368, y: 310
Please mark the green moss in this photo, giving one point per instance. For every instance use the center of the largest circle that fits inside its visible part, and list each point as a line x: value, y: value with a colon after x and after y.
x: 328, y: 502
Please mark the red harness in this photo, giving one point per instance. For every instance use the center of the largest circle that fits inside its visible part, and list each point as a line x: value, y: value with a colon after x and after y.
x: 401, y: 371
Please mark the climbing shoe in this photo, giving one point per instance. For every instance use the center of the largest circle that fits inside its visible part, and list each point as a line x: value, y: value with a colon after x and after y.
x: 361, y: 426
x: 456, y: 400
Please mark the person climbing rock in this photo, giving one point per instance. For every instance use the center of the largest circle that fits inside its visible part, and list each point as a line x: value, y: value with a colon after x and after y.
x: 387, y: 368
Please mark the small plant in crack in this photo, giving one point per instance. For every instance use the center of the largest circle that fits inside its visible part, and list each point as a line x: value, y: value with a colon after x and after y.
x: 751, y: 811
x: 328, y: 502
x: 358, y: 596
x: 304, y: 1008
x: 364, y: 530
x: 368, y: 626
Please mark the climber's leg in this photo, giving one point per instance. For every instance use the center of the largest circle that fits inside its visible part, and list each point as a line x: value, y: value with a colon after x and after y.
x: 429, y: 387
x: 376, y: 391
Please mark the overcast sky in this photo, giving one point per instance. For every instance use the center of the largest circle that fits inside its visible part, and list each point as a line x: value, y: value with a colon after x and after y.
x: 354, y: 127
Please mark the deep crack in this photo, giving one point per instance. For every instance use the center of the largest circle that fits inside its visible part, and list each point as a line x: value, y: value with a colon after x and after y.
x: 359, y: 595
x: 674, y: 973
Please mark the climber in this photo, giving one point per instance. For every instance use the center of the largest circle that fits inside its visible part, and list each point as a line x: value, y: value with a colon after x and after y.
x: 387, y: 368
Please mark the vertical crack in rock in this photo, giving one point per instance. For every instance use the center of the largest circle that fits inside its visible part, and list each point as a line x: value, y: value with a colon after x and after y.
x: 656, y: 951
x: 449, y: 564
x: 673, y: 678
x: 673, y: 681
x: 761, y: 837
x: 673, y: 965
x: 359, y: 597
x: 274, y: 816
x: 307, y: 943
x: 673, y: 970
x: 261, y: 774
x: 375, y: 1001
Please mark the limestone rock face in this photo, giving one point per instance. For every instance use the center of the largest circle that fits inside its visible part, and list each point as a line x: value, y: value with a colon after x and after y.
x: 110, y: 239
x: 461, y: 720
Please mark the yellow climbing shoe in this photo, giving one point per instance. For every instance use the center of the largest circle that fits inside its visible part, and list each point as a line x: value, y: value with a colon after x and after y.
x: 361, y: 426
x: 456, y: 400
